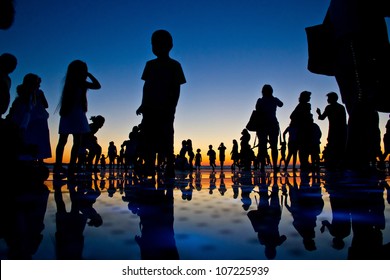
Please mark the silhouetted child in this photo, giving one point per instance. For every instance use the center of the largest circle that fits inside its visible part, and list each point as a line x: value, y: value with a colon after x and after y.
x: 132, y: 148
x: 235, y: 156
x: 73, y: 108
x: 222, y: 150
x: 112, y: 154
x: 283, y: 148
x: 191, y: 153
x: 212, y: 157
x: 315, y: 149
x: 163, y: 77
x: 198, y: 159
x: 91, y: 144
x: 103, y: 162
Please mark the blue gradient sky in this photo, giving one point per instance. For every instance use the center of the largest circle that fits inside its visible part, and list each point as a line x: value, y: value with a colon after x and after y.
x: 228, y: 50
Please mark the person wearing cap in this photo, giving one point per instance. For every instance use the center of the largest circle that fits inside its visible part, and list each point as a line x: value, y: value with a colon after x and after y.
x: 302, y: 120
x: 268, y: 127
x: 337, y: 133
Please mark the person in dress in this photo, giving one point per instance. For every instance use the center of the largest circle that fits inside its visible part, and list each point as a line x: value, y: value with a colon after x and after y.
x: 28, y: 112
x: 73, y: 108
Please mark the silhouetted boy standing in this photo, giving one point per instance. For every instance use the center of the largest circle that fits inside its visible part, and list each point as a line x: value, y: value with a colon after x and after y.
x: 163, y: 77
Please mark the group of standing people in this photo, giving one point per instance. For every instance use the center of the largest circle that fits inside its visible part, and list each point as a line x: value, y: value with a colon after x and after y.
x: 304, y: 134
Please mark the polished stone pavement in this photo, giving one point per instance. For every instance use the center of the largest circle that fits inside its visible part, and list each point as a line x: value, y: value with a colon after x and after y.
x: 207, y: 216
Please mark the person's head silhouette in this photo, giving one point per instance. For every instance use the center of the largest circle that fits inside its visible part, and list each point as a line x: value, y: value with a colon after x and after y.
x: 332, y: 97
x: 162, y: 43
x: 267, y: 91
x: 304, y: 97
x: 8, y: 63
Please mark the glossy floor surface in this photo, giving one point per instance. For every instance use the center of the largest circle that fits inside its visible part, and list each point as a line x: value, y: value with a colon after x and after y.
x: 205, y: 216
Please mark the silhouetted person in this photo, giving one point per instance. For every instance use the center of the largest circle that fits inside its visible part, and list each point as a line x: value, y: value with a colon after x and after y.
x: 361, y: 63
x: 112, y: 154
x: 235, y: 156
x: 283, y: 148
x: 73, y: 108
x: 265, y: 221
x: 91, y: 144
x: 212, y: 157
x: 337, y: 133
x: 315, y: 149
x: 386, y: 141
x: 246, y: 152
x: 132, y: 148
x: 268, y: 129
x: 8, y: 64
x: 191, y: 154
x: 292, y: 145
x: 7, y: 13
x: 222, y: 149
x: 163, y: 77
x: 302, y: 121
x: 28, y: 111
x: 103, y: 162
x: 198, y: 159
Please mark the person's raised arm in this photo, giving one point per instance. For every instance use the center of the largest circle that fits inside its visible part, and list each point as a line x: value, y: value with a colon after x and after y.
x: 94, y: 84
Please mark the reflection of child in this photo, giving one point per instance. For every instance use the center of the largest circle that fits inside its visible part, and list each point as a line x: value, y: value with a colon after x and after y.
x: 198, y: 159
x: 163, y: 77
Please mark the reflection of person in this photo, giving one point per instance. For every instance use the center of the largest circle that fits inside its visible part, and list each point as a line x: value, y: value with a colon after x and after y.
x: 73, y: 108
x: 337, y: 133
x: 265, y: 221
x: 362, y: 45
x: 268, y: 129
x: 163, y: 77
x: 157, y: 239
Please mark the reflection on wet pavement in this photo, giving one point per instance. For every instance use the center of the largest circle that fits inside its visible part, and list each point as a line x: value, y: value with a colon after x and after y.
x: 201, y: 215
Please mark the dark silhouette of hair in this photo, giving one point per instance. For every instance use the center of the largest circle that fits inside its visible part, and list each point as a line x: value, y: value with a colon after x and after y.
x: 75, y: 78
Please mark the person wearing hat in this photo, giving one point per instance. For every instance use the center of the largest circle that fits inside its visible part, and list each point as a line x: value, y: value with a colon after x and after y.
x: 302, y: 120
x: 337, y: 133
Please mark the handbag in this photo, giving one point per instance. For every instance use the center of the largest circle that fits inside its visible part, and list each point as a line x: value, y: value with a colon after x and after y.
x: 253, y: 122
x: 321, y: 50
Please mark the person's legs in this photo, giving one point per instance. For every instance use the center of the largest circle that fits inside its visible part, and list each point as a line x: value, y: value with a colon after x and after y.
x: 77, y: 138
x: 63, y: 138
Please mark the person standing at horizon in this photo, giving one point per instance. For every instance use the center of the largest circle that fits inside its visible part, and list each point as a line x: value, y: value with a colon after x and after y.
x: 222, y: 150
x: 212, y: 157
x: 73, y: 108
x: 268, y: 126
x: 163, y: 77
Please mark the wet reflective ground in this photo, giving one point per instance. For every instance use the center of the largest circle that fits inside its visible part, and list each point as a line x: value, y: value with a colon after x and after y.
x: 206, y: 215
